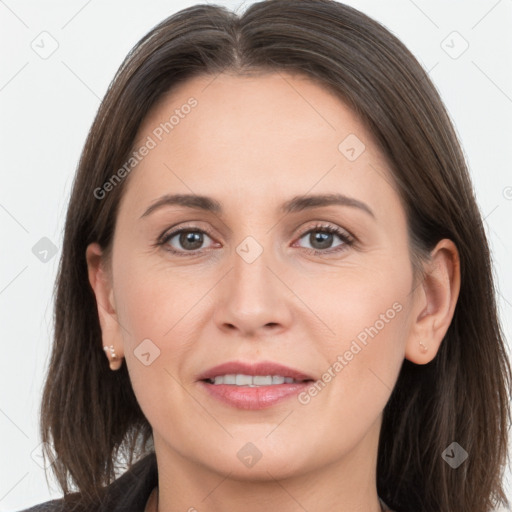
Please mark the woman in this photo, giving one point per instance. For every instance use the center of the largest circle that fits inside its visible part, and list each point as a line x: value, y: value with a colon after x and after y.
x: 275, y: 289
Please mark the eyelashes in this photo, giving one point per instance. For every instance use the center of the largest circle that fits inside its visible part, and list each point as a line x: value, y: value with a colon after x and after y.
x: 326, y: 230
x: 163, y: 240
x: 188, y: 235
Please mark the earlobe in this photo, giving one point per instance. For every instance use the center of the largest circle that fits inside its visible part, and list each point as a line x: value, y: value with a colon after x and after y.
x: 435, y: 302
x: 101, y: 284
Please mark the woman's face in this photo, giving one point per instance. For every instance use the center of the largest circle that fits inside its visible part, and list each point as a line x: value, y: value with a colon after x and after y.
x: 261, y: 278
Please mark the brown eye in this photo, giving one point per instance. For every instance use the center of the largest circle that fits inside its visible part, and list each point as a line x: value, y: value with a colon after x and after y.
x: 184, y: 240
x: 191, y: 240
x: 321, y: 239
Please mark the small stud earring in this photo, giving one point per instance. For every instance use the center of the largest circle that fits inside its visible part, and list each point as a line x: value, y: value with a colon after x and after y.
x: 112, y: 351
x: 423, y: 347
x: 115, y: 362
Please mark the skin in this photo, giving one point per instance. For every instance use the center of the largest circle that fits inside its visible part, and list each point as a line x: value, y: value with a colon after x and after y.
x: 252, y: 143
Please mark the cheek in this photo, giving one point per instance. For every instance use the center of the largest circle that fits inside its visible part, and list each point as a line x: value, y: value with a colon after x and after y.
x: 161, y: 311
x: 153, y: 308
x: 367, y: 312
x: 150, y: 298
x: 373, y: 308
x: 353, y: 300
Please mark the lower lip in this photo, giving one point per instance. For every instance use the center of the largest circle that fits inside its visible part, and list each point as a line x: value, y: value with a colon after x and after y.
x: 253, y: 398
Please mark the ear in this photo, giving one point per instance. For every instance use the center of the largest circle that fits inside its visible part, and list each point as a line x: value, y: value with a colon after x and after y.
x: 101, y: 283
x: 435, y: 300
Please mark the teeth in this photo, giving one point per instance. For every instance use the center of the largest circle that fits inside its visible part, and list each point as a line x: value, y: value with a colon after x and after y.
x: 229, y: 379
x: 252, y: 381
x: 243, y: 380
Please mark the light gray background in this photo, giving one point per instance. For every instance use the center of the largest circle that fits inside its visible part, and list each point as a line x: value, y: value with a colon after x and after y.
x: 48, y: 104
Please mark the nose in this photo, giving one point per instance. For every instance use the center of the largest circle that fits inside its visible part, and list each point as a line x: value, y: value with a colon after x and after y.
x: 253, y: 299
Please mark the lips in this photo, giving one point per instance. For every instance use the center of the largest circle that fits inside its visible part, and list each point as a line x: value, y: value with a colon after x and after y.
x: 260, y: 368
x: 254, y: 396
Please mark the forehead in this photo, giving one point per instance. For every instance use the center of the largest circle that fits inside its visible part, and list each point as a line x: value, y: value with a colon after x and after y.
x: 273, y: 108
x: 261, y: 134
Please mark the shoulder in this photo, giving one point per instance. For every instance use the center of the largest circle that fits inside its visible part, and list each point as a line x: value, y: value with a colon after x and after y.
x: 48, y: 506
x: 128, y: 493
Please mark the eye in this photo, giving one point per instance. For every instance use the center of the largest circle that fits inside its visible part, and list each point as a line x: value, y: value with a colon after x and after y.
x: 184, y: 240
x: 190, y: 240
x: 321, y: 238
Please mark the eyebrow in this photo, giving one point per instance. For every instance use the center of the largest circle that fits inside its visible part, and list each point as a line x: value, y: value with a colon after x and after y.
x: 295, y: 204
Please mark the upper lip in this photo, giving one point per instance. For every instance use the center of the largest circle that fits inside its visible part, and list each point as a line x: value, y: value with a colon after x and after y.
x: 259, y: 368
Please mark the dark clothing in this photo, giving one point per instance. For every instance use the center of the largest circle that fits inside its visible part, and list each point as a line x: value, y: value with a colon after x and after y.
x: 128, y: 493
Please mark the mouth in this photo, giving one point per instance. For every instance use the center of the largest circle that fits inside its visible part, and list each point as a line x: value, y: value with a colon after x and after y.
x: 253, y: 385
x: 253, y: 381
x: 262, y: 373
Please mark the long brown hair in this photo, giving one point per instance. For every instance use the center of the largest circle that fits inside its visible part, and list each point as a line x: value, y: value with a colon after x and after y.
x: 89, y: 414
